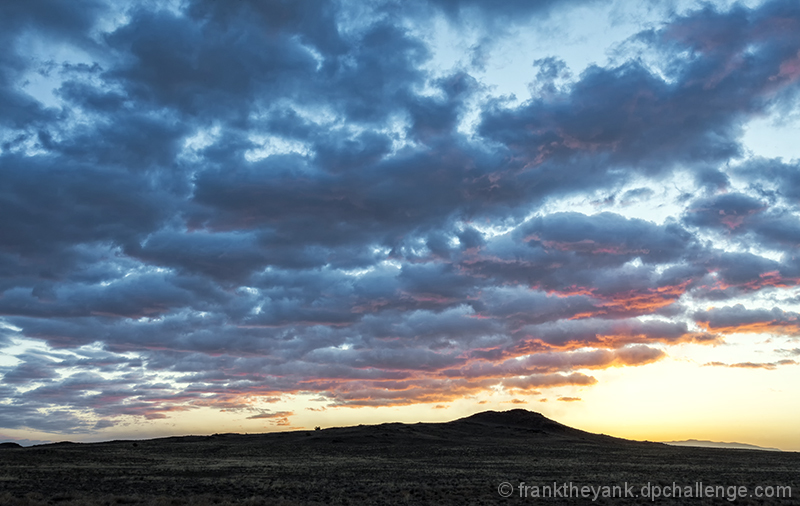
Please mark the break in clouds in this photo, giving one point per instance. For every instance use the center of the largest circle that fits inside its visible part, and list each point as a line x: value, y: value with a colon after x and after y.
x: 216, y: 204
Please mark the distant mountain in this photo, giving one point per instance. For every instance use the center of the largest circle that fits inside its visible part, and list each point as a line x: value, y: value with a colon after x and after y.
x: 717, y: 444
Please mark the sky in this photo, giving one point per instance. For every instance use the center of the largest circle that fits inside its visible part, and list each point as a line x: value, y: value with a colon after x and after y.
x: 257, y: 216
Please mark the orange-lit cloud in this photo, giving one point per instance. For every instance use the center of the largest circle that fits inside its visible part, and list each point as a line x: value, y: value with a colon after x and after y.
x: 278, y: 418
x: 550, y: 362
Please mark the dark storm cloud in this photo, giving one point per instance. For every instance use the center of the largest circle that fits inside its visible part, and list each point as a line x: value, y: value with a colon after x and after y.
x: 145, y: 295
x: 607, y: 234
x: 17, y: 417
x: 773, y: 177
x: 202, y: 67
x: 244, y: 199
x: 768, y: 218
x: 31, y: 369
x: 72, y: 204
x: 66, y: 218
x: 54, y: 21
x: 728, y: 211
x: 736, y: 274
x: 70, y: 21
x: 505, y: 10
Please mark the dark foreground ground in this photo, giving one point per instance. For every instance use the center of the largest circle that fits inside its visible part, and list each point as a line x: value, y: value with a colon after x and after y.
x: 462, y: 462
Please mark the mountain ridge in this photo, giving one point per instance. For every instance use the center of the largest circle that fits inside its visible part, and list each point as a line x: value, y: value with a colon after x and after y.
x: 704, y: 443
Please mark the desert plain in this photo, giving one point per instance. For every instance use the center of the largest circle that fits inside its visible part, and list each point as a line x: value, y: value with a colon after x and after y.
x: 471, y: 461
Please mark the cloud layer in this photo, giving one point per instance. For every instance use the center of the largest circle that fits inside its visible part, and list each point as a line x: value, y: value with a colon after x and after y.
x: 223, y: 203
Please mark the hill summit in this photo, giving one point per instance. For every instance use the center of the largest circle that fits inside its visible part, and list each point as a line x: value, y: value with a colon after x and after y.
x: 515, y: 418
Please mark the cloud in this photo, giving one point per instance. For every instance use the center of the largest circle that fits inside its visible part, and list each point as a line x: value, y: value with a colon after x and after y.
x: 739, y: 319
x: 216, y: 204
x: 754, y: 365
x: 32, y: 368
x: 280, y: 415
x: 727, y: 211
x: 541, y: 380
x: 574, y: 334
x: 103, y: 424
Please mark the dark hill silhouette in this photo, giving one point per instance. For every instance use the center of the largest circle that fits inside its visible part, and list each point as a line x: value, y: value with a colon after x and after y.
x: 520, y: 419
x: 513, y: 417
x: 488, y: 427
x: 482, y: 429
